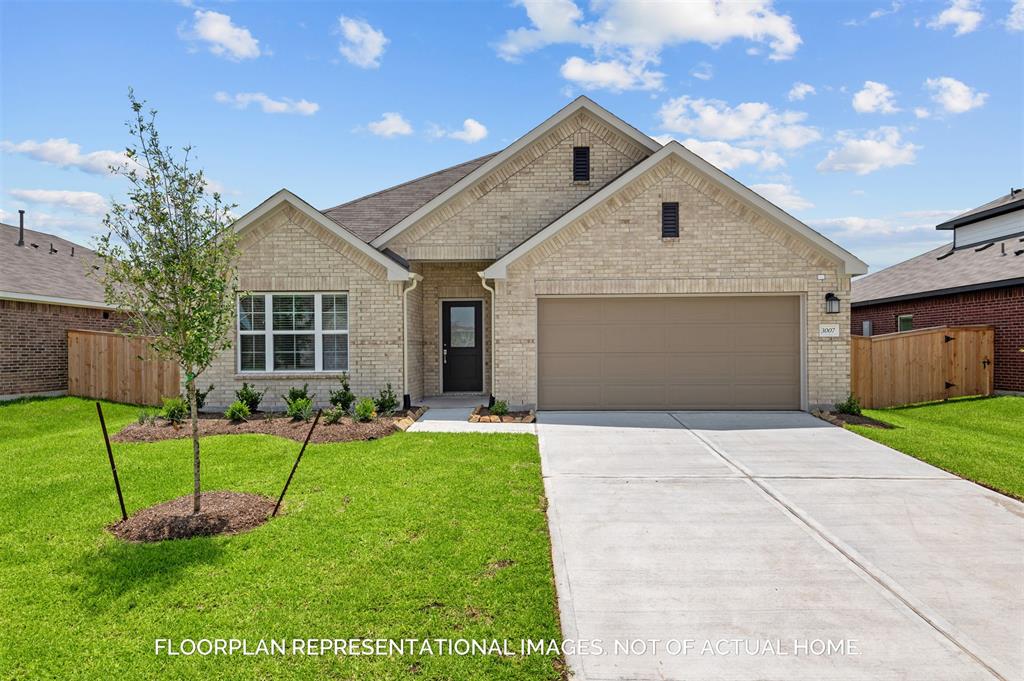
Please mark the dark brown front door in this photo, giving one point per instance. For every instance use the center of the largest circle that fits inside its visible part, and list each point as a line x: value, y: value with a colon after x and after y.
x: 462, y: 346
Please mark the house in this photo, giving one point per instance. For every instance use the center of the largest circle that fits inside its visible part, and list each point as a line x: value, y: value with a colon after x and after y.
x: 584, y: 266
x: 976, y: 279
x: 45, y: 290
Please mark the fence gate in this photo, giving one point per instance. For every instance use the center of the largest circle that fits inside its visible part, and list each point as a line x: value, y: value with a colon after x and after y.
x: 110, y: 366
x: 922, y: 365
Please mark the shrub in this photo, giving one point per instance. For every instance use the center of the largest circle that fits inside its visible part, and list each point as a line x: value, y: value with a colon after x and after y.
x: 334, y: 415
x: 238, y: 411
x: 200, y: 397
x: 250, y: 397
x: 343, y: 398
x: 301, y: 408
x: 849, y: 406
x: 175, y: 409
x: 297, y: 394
x: 386, y: 402
x: 366, y: 410
x: 499, y: 408
x: 143, y: 417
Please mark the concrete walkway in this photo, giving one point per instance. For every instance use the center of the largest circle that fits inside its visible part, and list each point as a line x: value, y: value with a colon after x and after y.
x: 764, y: 534
x: 450, y: 414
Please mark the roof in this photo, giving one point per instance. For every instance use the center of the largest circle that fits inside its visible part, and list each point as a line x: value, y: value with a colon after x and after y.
x: 1004, y: 204
x: 578, y: 104
x: 998, y: 264
x: 852, y: 264
x: 34, y: 272
x: 370, y: 216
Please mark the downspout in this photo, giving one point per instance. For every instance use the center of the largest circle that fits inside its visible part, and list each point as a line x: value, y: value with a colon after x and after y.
x: 483, y: 281
x: 406, y: 398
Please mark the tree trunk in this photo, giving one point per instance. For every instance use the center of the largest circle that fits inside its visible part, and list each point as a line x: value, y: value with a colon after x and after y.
x: 195, y: 445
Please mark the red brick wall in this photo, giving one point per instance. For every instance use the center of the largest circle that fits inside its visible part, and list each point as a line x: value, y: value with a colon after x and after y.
x: 1003, y: 308
x: 34, y: 343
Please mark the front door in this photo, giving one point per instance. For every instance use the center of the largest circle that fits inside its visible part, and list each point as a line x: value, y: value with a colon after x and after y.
x: 462, y: 346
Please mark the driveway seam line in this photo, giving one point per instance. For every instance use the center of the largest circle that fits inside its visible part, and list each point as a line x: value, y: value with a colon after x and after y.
x: 887, y: 583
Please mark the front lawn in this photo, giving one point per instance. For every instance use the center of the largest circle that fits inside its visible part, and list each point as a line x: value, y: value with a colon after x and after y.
x: 978, y: 439
x: 415, y: 535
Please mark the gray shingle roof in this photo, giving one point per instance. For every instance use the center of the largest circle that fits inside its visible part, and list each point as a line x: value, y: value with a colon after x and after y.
x: 370, y: 216
x: 37, y: 271
x: 927, y: 274
x: 1015, y: 197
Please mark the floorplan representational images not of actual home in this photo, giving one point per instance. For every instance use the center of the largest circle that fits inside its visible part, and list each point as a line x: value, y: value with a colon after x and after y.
x: 585, y: 266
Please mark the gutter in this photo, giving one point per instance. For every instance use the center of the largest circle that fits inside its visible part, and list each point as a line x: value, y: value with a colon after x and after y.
x: 483, y: 282
x: 415, y: 279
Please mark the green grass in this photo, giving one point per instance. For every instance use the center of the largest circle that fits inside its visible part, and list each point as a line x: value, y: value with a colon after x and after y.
x: 981, y: 439
x: 383, y: 539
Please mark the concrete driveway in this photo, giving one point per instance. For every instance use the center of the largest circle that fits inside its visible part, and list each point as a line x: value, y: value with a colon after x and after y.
x: 743, y: 545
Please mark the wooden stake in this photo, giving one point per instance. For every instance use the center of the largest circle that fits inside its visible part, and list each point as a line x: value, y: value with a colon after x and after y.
x: 113, y: 467
x: 289, y: 481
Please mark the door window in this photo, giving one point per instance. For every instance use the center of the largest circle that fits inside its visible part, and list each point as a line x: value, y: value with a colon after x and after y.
x: 463, y: 327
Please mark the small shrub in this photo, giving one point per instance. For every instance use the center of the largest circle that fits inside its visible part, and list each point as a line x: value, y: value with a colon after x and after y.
x: 250, y: 397
x: 343, y: 398
x: 301, y: 408
x: 849, y: 406
x: 143, y: 417
x: 386, y: 402
x: 297, y: 394
x: 366, y: 410
x: 200, y: 397
x: 238, y: 411
x: 499, y: 408
x: 334, y: 415
x: 175, y: 410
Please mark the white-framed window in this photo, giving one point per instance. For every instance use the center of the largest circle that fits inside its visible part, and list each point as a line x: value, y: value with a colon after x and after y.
x: 905, y: 322
x: 292, y: 332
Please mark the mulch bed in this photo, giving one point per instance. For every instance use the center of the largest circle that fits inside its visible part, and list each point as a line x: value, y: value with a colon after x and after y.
x: 838, y: 419
x: 220, y: 513
x: 483, y: 415
x: 346, y: 430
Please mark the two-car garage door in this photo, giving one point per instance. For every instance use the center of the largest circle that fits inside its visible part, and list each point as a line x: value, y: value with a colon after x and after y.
x: 712, y: 352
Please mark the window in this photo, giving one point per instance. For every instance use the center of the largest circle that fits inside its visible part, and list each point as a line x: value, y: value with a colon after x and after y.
x: 581, y: 164
x: 905, y: 322
x: 304, y: 332
x: 669, y: 220
x: 865, y: 327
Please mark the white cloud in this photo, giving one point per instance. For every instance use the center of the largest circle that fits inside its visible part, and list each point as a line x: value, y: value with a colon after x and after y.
x: 954, y: 96
x: 874, y: 98
x: 877, y: 149
x: 611, y: 75
x: 921, y: 112
x: 242, y: 100
x: 632, y: 35
x: 222, y: 37
x: 77, y: 228
x: 755, y: 123
x: 799, y: 91
x: 90, y: 203
x: 726, y: 156
x: 390, y: 125
x: 783, y: 195
x: 964, y: 15
x: 361, y: 44
x: 703, y: 71
x: 881, y: 12
x: 472, y: 131
x: 1015, y: 21
x: 66, y: 154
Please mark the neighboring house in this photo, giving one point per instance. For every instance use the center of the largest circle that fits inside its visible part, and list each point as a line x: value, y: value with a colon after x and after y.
x: 977, y: 279
x: 45, y: 289
x: 585, y: 266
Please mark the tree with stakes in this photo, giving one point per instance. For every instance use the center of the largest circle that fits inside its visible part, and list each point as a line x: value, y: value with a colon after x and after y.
x: 169, y: 258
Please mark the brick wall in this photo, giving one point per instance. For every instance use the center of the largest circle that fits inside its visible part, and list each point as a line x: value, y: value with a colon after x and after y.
x: 1003, y: 308
x: 34, y: 344
x: 724, y: 246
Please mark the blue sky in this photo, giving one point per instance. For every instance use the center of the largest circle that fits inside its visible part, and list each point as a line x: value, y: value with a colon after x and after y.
x: 871, y: 121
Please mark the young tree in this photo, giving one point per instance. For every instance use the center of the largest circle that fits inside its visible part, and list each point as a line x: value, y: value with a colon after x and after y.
x: 169, y: 258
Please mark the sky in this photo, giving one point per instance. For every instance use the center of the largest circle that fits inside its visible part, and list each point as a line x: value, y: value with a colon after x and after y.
x: 870, y: 121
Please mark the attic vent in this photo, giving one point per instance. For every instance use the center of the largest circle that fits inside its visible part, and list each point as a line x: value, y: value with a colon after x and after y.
x: 581, y: 164
x: 670, y: 219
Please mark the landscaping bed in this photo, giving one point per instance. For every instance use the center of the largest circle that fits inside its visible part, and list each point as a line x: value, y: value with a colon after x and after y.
x: 838, y: 419
x: 483, y: 414
x: 220, y: 513
x: 345, y: 430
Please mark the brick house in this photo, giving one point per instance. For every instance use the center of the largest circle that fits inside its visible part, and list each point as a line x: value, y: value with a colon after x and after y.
x: 585, y: 266
x: 976, y: 279
x: 45, y: 289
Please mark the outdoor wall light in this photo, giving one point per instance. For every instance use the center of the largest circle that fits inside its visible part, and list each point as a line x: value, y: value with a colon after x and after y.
x: 831, y: 303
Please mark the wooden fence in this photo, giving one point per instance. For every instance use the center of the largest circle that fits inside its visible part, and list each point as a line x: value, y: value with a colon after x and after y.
x: 921, y: 366
x: 118, y: 368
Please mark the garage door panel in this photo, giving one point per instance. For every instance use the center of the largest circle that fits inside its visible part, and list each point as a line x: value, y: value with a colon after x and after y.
x: 713, y: 352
